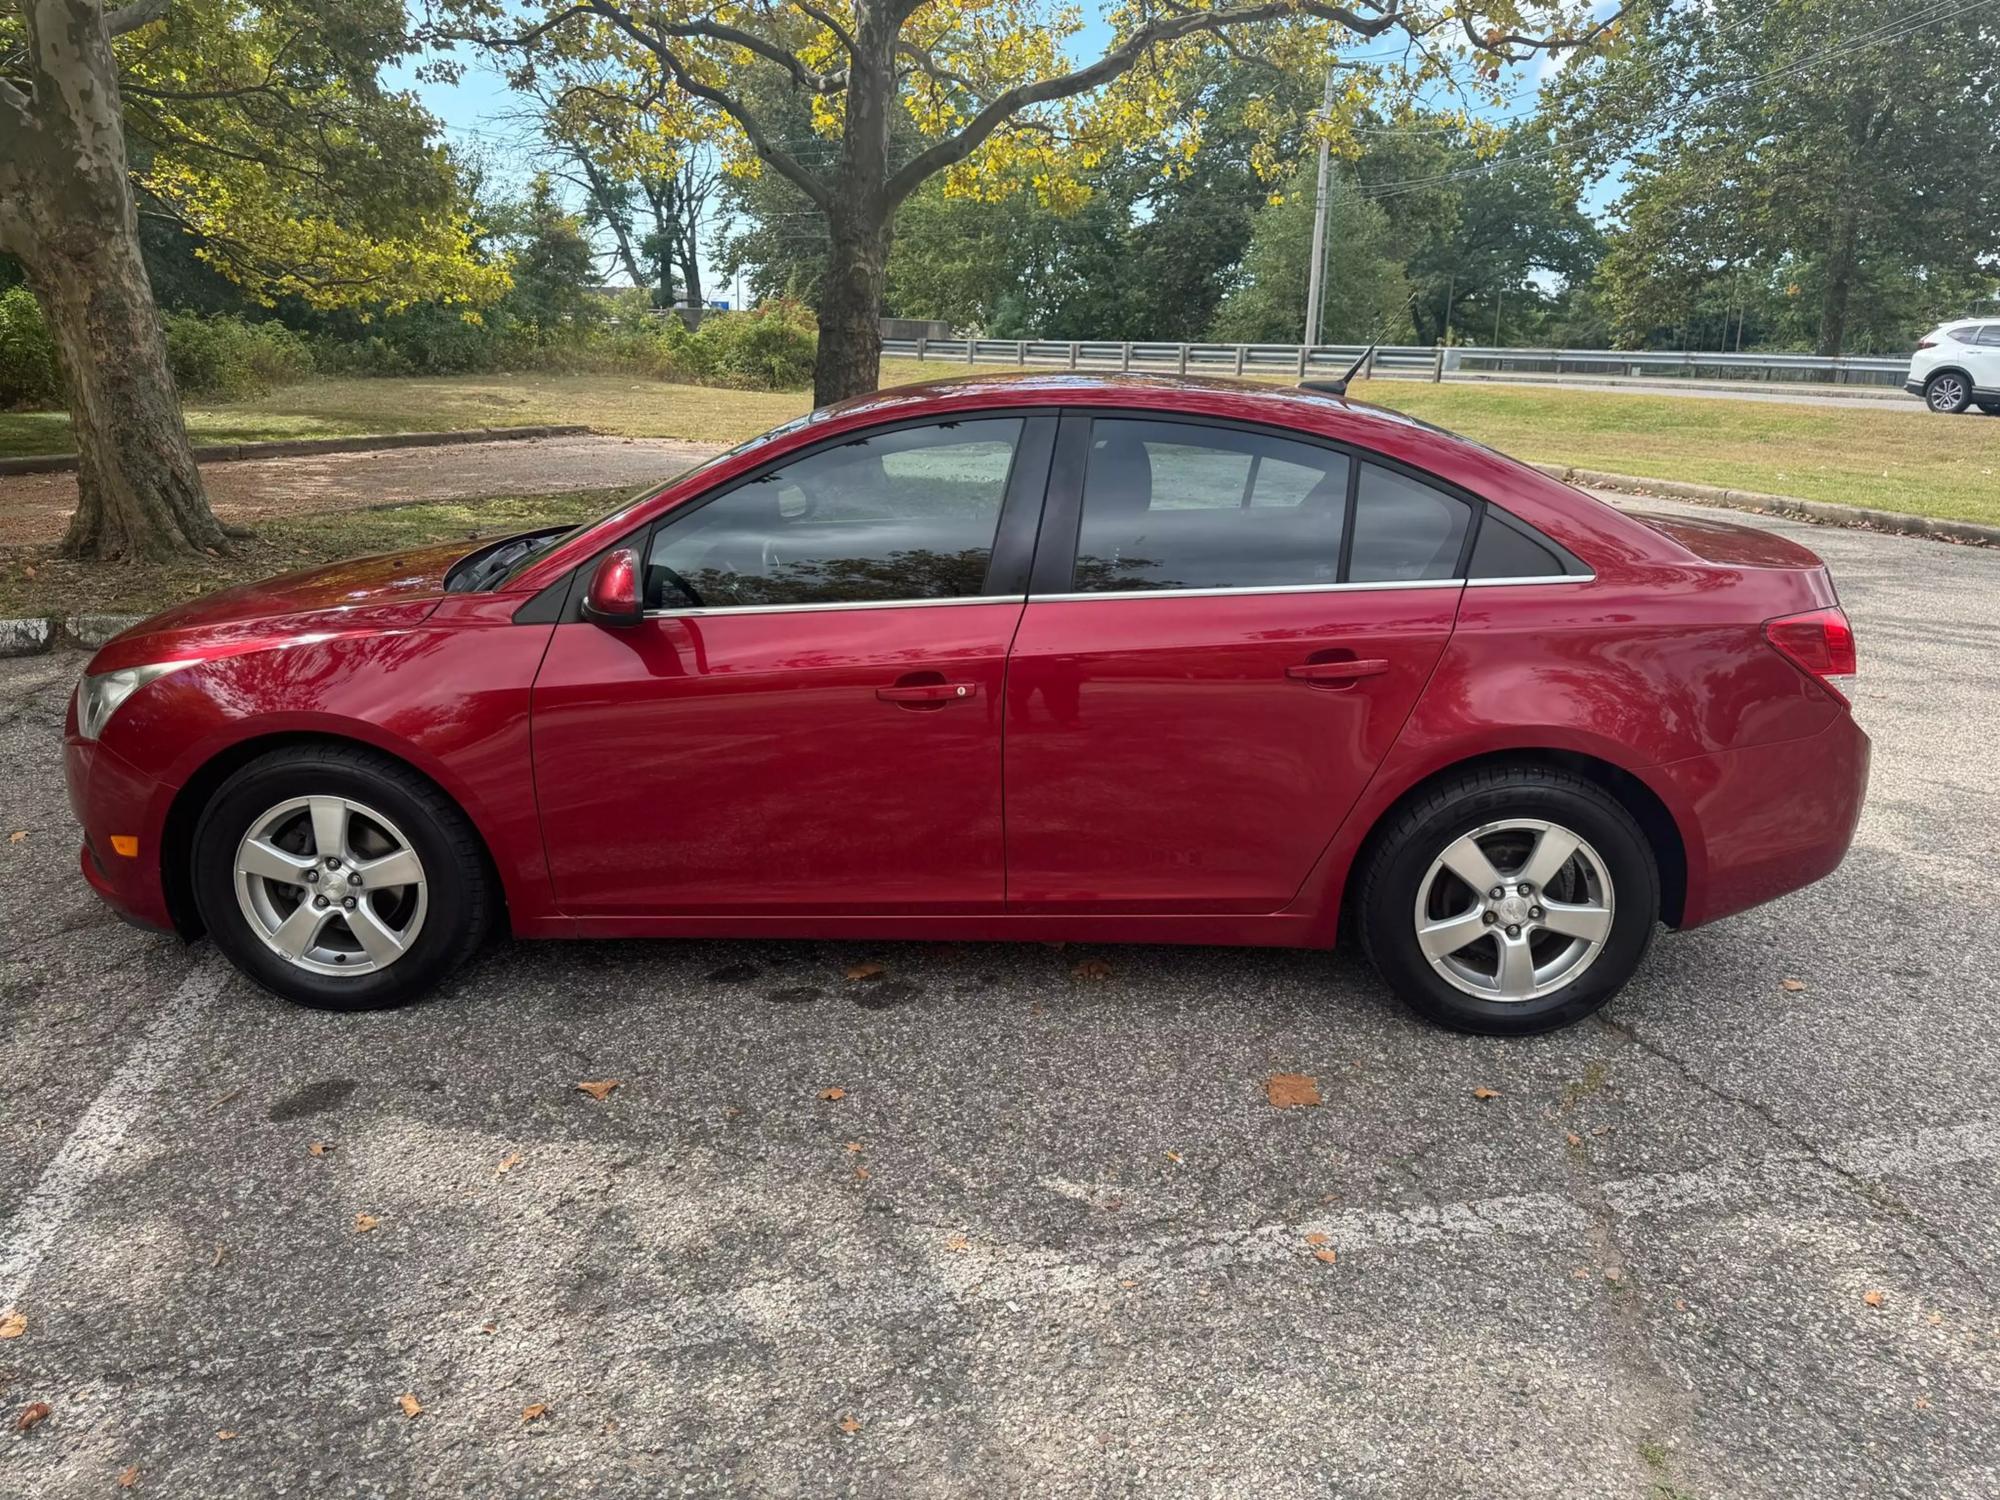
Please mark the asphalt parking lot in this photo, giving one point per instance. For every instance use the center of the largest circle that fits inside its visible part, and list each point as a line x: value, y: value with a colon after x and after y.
x: 1735, y: 1238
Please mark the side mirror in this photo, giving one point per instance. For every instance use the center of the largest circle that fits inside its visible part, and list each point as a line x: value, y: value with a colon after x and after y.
x: 613, y: 596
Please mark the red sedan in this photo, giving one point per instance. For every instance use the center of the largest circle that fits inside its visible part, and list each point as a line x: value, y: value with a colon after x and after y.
x: 1049, y: 657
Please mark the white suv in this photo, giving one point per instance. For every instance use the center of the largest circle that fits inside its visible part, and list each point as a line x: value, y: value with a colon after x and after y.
x: 1958, y: 365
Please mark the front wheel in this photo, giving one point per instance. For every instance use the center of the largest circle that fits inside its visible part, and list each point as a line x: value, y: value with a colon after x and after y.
x: 339, y: 878
x: 1948, y: 393
x: 1510, y: 901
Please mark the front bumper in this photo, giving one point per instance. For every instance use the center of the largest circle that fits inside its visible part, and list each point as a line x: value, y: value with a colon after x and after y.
x: 110, y: 796
x: 1769, y: 819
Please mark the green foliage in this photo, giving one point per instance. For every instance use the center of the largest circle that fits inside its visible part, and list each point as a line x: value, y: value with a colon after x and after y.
x: 28, y: 374
x: 225, y: 356
x: 1365, y: 296
x: 770, y: 348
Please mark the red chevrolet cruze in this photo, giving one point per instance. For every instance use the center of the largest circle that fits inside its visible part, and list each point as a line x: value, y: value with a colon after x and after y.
x: 1049, y: 657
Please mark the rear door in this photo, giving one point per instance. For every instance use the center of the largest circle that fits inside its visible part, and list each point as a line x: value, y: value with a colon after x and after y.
x: 1227, y: 628
x: 807, y: 721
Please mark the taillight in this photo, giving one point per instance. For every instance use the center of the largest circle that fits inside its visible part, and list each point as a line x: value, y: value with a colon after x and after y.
x: 1927, y: 343
x: 1819, y: 643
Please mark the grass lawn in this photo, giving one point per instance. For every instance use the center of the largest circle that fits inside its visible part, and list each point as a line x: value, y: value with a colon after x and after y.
x: 33, y: 581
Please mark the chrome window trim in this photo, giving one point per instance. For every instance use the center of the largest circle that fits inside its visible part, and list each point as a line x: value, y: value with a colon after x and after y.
x: 801, y: 609
x: 1276, y: 588
x: 1493, y: 583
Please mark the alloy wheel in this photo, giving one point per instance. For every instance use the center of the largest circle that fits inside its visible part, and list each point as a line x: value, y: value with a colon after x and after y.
x: 1947, y: 393
x: 1514, y: 910
x: 330, y: 885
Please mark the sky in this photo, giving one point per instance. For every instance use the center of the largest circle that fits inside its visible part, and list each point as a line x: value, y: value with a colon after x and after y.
x: 475, y: 112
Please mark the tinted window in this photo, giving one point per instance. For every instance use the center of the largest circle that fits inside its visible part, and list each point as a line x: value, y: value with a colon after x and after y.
x: 908, y: 514
x: 1405, y: 530
x: 1507, y: 551
x: 1168, y: 505
x: 1966, y: 335
x: 1990, y: 334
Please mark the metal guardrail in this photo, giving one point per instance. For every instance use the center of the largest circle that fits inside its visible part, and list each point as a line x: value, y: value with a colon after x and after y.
x: 1415, y: 362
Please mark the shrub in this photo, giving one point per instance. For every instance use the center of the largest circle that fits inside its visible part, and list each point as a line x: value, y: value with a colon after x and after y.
x: 770, y: 348
x: 225, y: 356
x: 28, y: 371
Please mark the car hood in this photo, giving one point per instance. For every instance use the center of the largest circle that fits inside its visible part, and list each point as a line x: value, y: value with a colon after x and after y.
x: 364, y: 593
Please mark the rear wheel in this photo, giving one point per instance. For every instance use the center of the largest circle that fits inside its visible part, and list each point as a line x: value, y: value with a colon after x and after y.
x: 1991, y: 408
x: 1948, y: 392
x: 339, y: 878
x: 1509, y: 901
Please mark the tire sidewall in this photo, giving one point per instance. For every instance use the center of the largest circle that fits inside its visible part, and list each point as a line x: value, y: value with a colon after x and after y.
x: 1391, y: 896
x: 1965, y: 398
x: 263, y: 785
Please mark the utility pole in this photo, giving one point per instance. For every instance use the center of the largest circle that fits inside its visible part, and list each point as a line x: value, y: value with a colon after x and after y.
x: 1322, y: 201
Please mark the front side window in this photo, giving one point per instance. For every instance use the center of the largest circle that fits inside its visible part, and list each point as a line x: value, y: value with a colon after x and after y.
x: 1989, y: 335
x: 1170, y: 505
x: 886, y: 517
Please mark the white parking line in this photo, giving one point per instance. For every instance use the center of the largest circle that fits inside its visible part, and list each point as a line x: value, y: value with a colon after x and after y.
x: 93, y: 1144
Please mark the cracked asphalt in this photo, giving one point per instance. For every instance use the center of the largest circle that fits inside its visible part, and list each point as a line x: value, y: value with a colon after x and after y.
x: 1729, y: 1240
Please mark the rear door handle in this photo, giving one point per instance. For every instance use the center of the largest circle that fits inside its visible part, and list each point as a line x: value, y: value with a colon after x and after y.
x: 928, y: 692
x: 1333, y: 673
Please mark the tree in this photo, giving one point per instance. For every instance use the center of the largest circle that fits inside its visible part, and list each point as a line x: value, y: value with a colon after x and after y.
x: 996, y: 103
x: 1844, y: 145
x: 259, y: 129
x: 1364, y: 295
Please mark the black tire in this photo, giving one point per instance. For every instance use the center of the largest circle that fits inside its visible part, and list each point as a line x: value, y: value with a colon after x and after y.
x: 459, y: 886
x: 1948, y: 392
x: 1419, y: 833
x: 1991, y: 408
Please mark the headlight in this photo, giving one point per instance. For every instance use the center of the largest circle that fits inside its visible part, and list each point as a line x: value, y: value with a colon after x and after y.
x: 99, y: 697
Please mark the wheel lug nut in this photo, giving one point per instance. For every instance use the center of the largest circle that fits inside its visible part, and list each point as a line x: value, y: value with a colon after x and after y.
x: 1491, y: 919
x: 348, y: 904
x: 331, y: 861
x: 352, y: 878
x: 1497, y: 892
x: 1526, y: 889
x: 319, y: 901
x: 312, y: 877
x: 1513, y: 932
x: 1535, y: 912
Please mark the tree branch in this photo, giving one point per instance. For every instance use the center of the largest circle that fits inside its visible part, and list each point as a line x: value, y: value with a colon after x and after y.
x: 132, y: 17
x: 16, y: 109
x: 825, y: 18
x: 1120, y: 59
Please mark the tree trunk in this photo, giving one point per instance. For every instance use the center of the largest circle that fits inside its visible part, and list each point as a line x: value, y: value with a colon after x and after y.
x: 139, y: 493
x: 858, y: 223
x: 1840, y: 266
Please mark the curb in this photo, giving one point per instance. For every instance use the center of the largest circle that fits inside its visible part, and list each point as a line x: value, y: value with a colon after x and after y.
x: 59, y: 463
x: 1821, y: 512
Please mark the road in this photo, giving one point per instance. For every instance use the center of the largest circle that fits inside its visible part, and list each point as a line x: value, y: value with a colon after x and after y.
x: 1051, y: 1237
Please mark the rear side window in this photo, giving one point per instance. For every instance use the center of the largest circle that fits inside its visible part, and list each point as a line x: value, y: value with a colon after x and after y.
x: 1508, y: 551
x: 1989, y: 335
x: 898, y: 515
x: 1405, y: 530
x: 1967, y: 335
x: 1170, y: 505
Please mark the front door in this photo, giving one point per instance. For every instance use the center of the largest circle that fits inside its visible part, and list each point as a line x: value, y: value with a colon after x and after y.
x: 1218, y: 651
x: 808, y: 720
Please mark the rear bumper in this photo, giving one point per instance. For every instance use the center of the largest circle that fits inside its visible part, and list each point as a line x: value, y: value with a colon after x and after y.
x: 109, y: 797
x: 1767, y: 820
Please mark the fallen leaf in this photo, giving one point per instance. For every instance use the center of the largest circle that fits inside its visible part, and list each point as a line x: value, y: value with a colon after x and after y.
x: 1128, y: 1283
x: 1315, y: 1238
x: 128, y: 1477
x: 13, y: 1323
x: 957, y: 1242
x: 318, y: 1148
x: 1574, y: 1139
x: 858, y: 972
x: 30, y: 1415
x: 536, y: 1412
x: 216, y: 1259
x: 508, y: 1162
x: 1935, y: 1319
x: 1485, y: 1093
x: 1092, y: 968
x: 1794, y: 985
x: 832, y: 1096
x: 412, y: 1407
x: 1614, y: 1274
x: 224, y: 1435
x: 850, y: 1424
x: 365, y: 1222
x: 861, y: 1174
x: 854, y: 1145
x: 1173, y: 1156
x: 1581, y: 1273
x: 1326, y: 1255
x: 18, y: 836
x: 1291, y: 1090
x: 1873, y: 1299
x: 489, y: 1327
x: 601, y: 1090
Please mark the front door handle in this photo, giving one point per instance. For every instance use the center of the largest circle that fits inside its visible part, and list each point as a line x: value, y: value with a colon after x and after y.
x: 1334, y: 673
x: 938, y: 693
